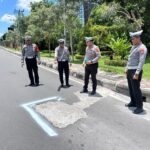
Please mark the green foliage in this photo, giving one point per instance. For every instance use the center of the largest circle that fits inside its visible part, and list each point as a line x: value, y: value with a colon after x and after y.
x: 78, y: 56
x: 105, y: 53
x: 120, y: 46
x: 105, y: 13
x: 121, y: 63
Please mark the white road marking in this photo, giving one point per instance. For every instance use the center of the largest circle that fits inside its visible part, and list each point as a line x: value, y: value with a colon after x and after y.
x: 29, y: 107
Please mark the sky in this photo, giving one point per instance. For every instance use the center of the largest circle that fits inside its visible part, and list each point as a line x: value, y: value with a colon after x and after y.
x: 7, y: 9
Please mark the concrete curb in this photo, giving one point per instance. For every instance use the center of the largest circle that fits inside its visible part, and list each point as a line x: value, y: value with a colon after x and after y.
x: 109, y: 81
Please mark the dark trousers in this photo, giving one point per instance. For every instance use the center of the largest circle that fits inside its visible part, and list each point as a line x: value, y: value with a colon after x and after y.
x: 134, y: 88
x: 63, y: 67
x: 32, y: 67
x: 90, y: 70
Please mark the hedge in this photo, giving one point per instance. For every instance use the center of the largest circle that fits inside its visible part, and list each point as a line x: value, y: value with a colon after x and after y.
x: 120, y: 63
x: 78, y: 56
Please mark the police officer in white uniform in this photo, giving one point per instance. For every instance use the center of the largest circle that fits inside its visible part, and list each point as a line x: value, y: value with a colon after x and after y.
x: 62, y: 57
x: 30, y: 53
x: 91, y: 65
x: 134, y: 71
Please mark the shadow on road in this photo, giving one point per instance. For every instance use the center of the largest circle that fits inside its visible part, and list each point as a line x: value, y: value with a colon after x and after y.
x: 34, y: 85
x: 65, y: 87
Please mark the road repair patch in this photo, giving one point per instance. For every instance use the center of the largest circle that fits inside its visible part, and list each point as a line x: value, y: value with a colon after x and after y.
x: 61, y: 114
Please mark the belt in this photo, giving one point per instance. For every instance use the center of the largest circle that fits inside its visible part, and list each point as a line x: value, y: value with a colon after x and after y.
x: 63, y: 61
x: 30, y: 57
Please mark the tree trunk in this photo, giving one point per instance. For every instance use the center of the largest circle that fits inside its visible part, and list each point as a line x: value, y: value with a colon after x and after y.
x: 71, y: 45
x: 49, y: 47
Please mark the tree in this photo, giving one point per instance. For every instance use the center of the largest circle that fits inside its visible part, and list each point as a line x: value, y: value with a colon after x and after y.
x: 42, y: 22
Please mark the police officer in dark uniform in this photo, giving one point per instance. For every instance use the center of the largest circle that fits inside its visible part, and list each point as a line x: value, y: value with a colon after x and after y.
x: 30, y: 53
x: 91, y: 64
x: 134, y: 71
x: 62, y: 57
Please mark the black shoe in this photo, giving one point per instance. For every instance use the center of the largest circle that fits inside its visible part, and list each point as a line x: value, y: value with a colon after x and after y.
x: 84, y: 91
x: 93, y: 93
x: 37, y: 84
x: 130, y: 105
x: 138, y: 110
x: 68, y: 85
x: 31, y: 84
x: 144, y: 98
x: 62, y: 86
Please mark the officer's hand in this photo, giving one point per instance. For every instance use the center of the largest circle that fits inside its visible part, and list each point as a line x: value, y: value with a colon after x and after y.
x: 125, y: 72
x: 39, y: 62
x: 83, y: 64
x: 136, y: 77
x: 55, y: 62
x: 89, y: 62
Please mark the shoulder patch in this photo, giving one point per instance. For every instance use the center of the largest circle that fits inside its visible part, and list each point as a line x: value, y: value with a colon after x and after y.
x: 97, y: 49
x: 142, y: 50
x: 37, y: 49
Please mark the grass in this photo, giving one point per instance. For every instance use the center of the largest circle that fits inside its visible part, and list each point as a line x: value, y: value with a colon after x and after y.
x: 147, y: 68
x: 17, y: 49
x: 120, y: 70
x: 45, y: 53
x: 115, y: 69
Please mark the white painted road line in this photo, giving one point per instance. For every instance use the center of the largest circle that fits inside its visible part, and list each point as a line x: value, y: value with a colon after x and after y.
x: 29, y: 107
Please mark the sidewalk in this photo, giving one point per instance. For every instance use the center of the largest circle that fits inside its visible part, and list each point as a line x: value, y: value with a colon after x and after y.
x: 112, y: 81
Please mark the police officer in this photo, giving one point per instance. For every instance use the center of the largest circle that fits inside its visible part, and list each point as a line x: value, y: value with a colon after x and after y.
x: 134, y: 71
x: 91, y: 64
x: 62, y: 57
x: 30, y: 53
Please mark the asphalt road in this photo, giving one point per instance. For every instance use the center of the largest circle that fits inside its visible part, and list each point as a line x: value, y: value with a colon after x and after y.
x: 109, y: 125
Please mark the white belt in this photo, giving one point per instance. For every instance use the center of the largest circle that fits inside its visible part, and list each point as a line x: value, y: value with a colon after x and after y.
x: 31, y: 57
x: 132, y: 67
x: 62, y: 60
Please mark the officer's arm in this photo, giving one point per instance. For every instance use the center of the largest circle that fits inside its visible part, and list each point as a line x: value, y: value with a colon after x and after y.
x: 98, y: 55
x: 143, y: 53
x: 38, y: 56
x: 56, y: 54
x: 69, y: 56
x: 85, y: 57
x: 37, y: 51
x: 23, y: 54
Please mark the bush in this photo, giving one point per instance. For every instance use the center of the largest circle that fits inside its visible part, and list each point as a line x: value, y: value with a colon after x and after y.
x: 105, y: 53
x: 120, y: 46
x: 120, y: 63
x: 78, y: 56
